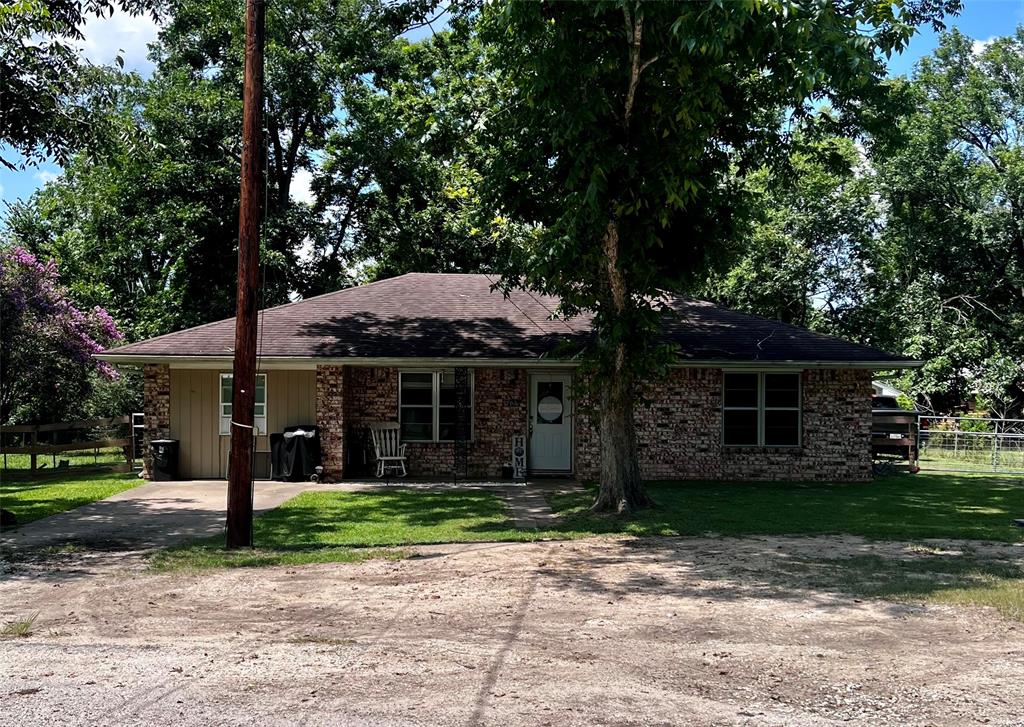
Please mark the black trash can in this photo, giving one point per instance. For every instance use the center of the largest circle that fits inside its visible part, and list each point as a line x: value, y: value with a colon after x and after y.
x: 165, y: 459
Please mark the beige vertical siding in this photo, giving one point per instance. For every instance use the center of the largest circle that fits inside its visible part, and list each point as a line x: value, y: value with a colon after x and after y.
x: 291, y: 399
x: 194, y: 421
x: 195, y: 395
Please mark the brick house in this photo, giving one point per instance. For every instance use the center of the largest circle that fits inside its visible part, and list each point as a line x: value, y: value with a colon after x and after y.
x: 749, y: 398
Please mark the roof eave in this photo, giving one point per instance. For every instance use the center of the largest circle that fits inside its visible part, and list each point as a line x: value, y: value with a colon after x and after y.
x: 284, y: 362
x: 880, y: 365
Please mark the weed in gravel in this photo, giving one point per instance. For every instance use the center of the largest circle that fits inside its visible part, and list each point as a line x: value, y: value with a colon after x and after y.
x: 21, y: 628
x: 322, y: 640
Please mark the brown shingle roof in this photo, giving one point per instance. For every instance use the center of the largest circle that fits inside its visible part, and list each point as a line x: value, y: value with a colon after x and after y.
x: 428, y: 315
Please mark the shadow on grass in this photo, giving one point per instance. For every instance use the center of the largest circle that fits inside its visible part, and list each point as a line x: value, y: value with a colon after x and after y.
x: 385, y: 517
x: 333, y: 526
x: 897, y: 507
x: 204, y: 556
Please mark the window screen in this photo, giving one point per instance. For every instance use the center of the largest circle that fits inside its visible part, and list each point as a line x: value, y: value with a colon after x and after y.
x: 781, y: 410
x: 446, y: 414
x: 761, y: 409
x: 427, y: 408
x: 740, y: 412
x: 260, y: 409
x: 416, y: 409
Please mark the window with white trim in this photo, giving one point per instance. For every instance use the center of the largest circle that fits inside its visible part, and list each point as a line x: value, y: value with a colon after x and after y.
x: 761, y: 409
x: 426, y: 405
x: 260, y: 422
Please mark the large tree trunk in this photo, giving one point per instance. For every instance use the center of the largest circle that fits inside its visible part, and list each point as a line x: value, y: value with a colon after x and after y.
x: 621, y: 487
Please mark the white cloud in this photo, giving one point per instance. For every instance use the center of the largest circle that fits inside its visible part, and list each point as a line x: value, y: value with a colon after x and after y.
x: 105, y: 37
x: 301, y: 190
x: 44, y: 176
x: 305, y: 252
x: 978, y: 47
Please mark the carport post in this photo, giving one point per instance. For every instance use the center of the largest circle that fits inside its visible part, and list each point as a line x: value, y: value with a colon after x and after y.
x: 243, y: 395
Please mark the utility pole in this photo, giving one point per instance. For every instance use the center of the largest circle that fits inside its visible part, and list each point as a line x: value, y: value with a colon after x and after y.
x: 243, y: 397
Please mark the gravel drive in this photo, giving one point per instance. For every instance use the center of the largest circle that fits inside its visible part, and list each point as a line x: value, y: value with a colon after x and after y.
x: 612, y: 631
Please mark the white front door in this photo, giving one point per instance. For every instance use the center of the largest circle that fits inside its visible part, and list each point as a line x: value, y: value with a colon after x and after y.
x: 550, y: 420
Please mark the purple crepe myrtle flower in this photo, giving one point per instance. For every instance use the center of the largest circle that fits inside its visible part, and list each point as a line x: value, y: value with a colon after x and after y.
x: 41, y: 320
x: 107, y: 324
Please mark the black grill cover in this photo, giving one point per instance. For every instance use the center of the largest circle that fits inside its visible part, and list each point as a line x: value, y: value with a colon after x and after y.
x: 295, y: 453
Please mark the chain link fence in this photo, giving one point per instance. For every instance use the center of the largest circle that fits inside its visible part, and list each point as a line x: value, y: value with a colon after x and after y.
x: 971, y: 444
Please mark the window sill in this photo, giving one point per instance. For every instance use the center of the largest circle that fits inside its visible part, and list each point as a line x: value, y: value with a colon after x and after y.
x: 739, y: 449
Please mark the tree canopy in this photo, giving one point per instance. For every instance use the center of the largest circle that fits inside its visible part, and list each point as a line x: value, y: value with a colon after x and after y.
x: 909, y: 240
x: 379, y: 124
x: 401, y: 175
x: 622, y: 139
x: 51, y: 101
x: 951, y: 258
x: 800, y: 261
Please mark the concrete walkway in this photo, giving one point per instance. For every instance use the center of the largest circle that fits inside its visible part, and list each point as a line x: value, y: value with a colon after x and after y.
x: 152, y: 515
x: 529, y: 505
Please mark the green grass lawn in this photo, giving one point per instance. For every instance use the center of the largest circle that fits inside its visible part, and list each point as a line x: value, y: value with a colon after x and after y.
x: 40, y: 498
x: 899, y: 507
x: 387, y: 518
x: 319, y: 527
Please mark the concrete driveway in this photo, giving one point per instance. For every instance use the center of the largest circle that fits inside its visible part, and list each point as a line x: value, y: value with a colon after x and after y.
x: 152, y: 515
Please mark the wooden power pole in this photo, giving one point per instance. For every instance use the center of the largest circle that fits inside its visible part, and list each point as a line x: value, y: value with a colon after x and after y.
x: 243, y: 397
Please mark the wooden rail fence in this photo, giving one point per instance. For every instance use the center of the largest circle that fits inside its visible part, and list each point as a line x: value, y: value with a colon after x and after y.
x: 30, y: 444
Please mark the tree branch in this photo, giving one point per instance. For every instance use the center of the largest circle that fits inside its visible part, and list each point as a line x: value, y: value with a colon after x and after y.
x: 982, y: 147
x: 634, y: 36
x: 274, y: 132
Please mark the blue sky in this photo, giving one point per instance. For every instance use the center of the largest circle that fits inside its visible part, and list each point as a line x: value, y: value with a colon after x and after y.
x: 980, y: 19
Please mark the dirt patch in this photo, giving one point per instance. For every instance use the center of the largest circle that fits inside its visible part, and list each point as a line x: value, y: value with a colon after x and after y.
x: 602, y: 631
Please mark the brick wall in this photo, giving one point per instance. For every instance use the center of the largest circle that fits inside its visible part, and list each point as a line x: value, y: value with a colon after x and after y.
x: 156, y: 392
x: 679, y: 432
x: 330, y: 418
x: 499, y: 411
x: 500, y: 398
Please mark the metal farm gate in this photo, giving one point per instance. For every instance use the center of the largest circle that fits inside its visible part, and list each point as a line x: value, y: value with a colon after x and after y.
x: 971, y: 444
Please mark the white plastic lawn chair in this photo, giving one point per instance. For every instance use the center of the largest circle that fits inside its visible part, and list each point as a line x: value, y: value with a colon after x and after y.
x: 390, y: 452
